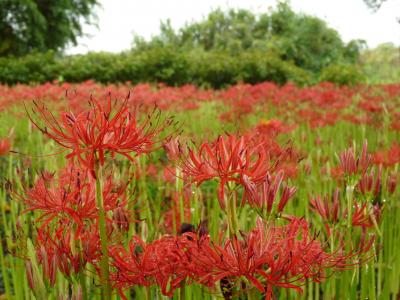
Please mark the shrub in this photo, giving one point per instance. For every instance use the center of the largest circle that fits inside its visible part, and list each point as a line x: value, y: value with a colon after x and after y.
x: 342, y: 74
x: 216, y: 68
x: 256, y: 66
x: 32, y: 68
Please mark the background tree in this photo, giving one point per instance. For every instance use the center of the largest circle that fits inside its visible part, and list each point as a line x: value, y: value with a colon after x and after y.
x: 305, y: 40
x: 382, y: 64
x: 41, y: 25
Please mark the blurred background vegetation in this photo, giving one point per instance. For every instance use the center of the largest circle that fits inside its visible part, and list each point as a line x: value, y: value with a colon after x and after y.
x: 224, y: 48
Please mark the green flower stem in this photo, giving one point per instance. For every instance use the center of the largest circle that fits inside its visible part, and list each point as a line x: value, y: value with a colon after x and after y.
x: 349, y: 197
x: 82, y: 280
x: 230, y: 203
x: 179, y: 190
x: 104, y: 270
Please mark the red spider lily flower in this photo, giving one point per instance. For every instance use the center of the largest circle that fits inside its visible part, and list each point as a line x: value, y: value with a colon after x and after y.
x: 331, y: 212
x: 172, y: 148
x: 392, y: 182
x: 352, y: 165
x: 5, y: 146
x: 130, y: 265
x: 371, y: 183
x: 264, y: 195
x: 362, y: 216
x: 102, y: 128
x: 327, y: 208
x: 121, y: 218
x: 72, y: 197
x: 273, y: 257
x: 272, y: 127
x: 388, y: 157
x: 228, y: 159
x: 172, y: 264
x: 166, y: 262
x: 66, y: 251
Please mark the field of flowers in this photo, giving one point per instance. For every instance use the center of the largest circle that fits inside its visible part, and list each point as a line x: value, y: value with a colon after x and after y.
x: 156, y: 192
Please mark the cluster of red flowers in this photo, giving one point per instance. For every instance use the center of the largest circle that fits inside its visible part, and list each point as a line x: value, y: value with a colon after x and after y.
x: 92, y: 133
x: 364, y: 191
x: 85, y: 218
x: 267, y: 257
x: 320, y: 105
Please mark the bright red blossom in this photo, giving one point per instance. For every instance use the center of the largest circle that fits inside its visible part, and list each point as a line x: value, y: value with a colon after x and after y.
x: 103, y: 128
x: 71, y: 197
x: 268, y: 257
x: 228, y: 159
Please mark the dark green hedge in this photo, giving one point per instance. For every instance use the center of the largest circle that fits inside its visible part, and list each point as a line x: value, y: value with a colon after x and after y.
x: 204, y: 68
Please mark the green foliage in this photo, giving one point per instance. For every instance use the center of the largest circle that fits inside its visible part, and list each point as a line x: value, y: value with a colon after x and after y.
x: 32, y: 68
x: 155, y: 65
x: 223, y: 49
x: 382, y: 64
x: 257, y: 67
x: 41, y: 25
x: 163, y: 65
x: 101, y: 66
x: 305, y: 40
x: 215, y: 69
x: 343, y: 74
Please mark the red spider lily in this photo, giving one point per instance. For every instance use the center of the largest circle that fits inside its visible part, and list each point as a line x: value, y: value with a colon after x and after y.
x: 172, y: 148
x: 264, y: 195
x: 332, y: 212
x: 272, y: 127
x: 130, y: 265
x: 101, y: 129
x: 388, y: 157
x: 228, y: 159
x: 72, y: 197
x: 5, y: 146
x: 362, y: 216
x: 66, y: 251
x: 166, y: 262
x: 272, y: 257
x: 121, y: 218
x: 328, y: 209
x: 285, y: 158
x: 392, y: 182
x: 352, y: 165
x: 371, y: 183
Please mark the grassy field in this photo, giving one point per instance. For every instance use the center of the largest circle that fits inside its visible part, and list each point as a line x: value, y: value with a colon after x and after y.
x: 153, y: 192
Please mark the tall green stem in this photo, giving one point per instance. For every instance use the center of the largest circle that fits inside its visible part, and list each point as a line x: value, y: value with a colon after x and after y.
x: 82, y: 279
x: 104, y: 271
x: 230, y: 202
x: 349, y: 197
x: 178, y: 188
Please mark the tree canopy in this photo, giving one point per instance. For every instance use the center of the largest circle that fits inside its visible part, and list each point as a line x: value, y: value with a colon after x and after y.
x: 27, y: 25
x: 305, y: 40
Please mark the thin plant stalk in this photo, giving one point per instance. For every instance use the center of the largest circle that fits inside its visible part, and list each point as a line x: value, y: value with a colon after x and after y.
x: 104, y: 269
